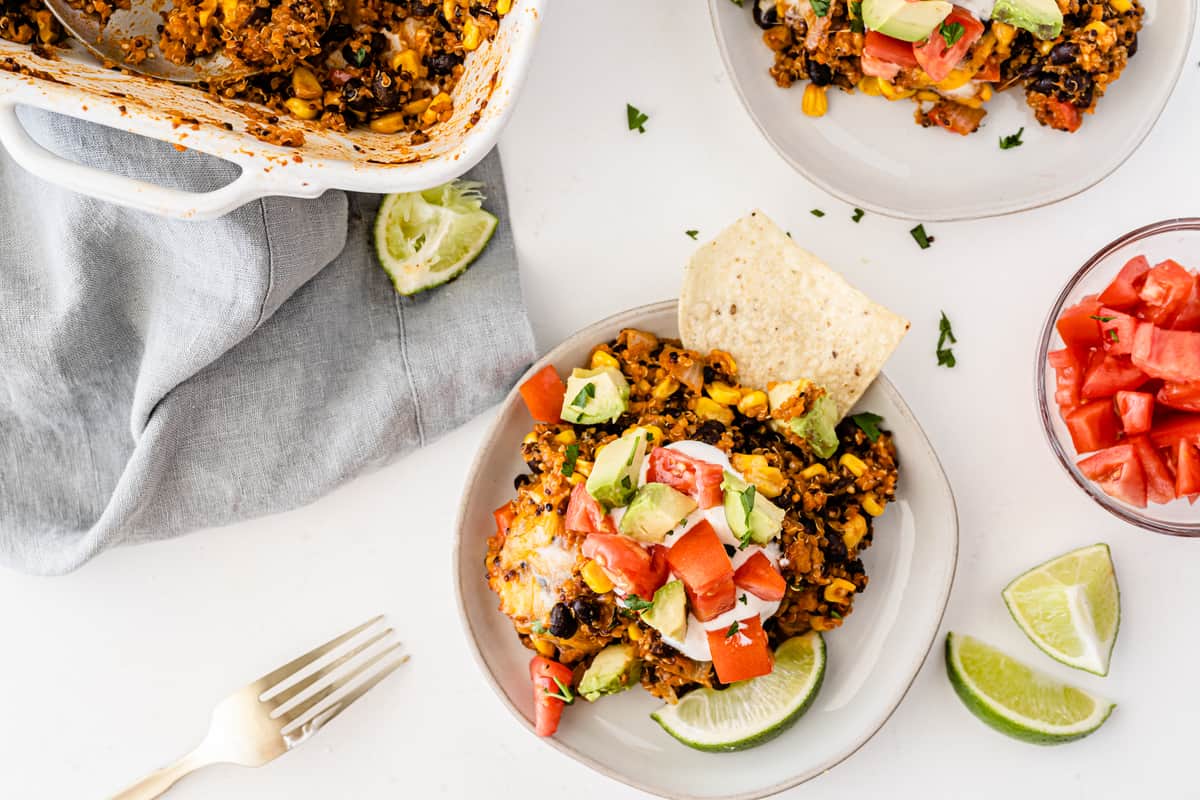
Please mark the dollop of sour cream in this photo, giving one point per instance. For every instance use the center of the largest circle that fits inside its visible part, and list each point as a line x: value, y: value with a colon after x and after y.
x: 695, y: 643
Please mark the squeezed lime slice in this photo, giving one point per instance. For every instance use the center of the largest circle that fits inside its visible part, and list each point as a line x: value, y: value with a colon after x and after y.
x: 750, y: 713
x: 425, y: 239
x: 1016, y: 699
x: 1070, y: 607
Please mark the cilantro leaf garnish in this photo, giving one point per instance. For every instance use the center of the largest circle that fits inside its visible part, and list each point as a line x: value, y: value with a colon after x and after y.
x: 945, y: 355
x: 636, y: 603
x: 360, y: 56
x: 856, y: 18
x: 833, y: 612
x: 1101, y: 319
x: 1113, y: 336
x: 692, y: 234
x: 1012, y: 140
x: 586, y: 393
x: 952, y: 32
x: 922, y: 238
x: 733, y: 629
x: 868, y: 423
x: 748, y: 501
x: 564, y: 692
x: 637, y: 120
x: 858, y: 215
x: 816, y: 212
x: 572, y: 455
x: 820, y: 7
x: 538, y: 627
x: 743, y: 600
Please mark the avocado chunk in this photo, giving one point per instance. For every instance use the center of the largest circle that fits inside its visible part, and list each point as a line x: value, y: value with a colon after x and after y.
x: 905, y: 20
x: 614, y: 476
x: 595, y: 395
x: 668, y: 614
x: 614, y: 669
x: 817, y: 427
x: 655, y: 511
x: 1042, y: 18
x: 751, y: 517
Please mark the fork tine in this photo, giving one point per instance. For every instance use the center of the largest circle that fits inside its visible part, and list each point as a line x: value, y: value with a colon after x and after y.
x: 318, y: 722
x: 272, y: 679
x: 282, y: 698
x: 292, y: 715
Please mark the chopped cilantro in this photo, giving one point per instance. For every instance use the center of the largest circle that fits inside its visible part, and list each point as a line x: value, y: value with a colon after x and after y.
x: 568, y: 467
x: 627, y: 482
x: 952, y: 32
x: 1113, y: 336
x: 858, y: 215
x: 360, y: 56
x: 820, y: 7
x: 833, y: 612
x: 586, y: 393
x: 636, y: 603
x: 743, y: 600
x: 564, y: 692
x: 856, y: 17
x: 1012, y: 140
x: 869, y: 424
x: 1101, y: 319
x: 538, y: 627
x: 748, y: 501
x: 733, y: 629
x: 637, y: 120
x: 945, y: 355
x: 923, y: 239
x: 692, y: 234
x: 816, y: 212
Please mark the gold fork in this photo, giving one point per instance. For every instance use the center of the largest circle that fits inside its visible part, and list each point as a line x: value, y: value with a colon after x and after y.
x: 262, y: 721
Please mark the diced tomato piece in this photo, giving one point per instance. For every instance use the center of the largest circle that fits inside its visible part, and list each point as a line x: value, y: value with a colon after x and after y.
x: 1077, y: 325
x: 547, y: 710
x: 585, y: 514
x: 742, y: 653
x: 1170, y: 355
x: 1093, y: 426
x: 877, y: 68
x: 1136, y: 410
x: 990, y: 72
x: 1182, y: 396
x: 1122, y: 293
x: 1118, y: 472
x: 699, y: 560
x: 759, y: 577
x: 1168, y: 286
x: 1117, y: 330
x: 1167, y: 432
x: 939, y: 60
x: 1187, y: 468
x: 892, y: 51
x: 1063, y: 115
x: 714, y: 602
x: 504, y: 516
x: 955, y: 117
x: 633, y: 568
x: 1068, y: 377
x: 1188, y: 318
x: 543, y: 394
x: 1160, y: 486
x: 1110, y: 375
x: 698, y: 479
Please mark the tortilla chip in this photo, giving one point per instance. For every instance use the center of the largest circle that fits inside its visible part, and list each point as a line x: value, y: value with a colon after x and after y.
x: 782, y: 314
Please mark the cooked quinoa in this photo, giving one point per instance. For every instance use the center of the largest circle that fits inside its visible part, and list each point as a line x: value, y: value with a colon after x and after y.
x: 391, y: 65
x: 1062, y: 79
x: 537, y: 570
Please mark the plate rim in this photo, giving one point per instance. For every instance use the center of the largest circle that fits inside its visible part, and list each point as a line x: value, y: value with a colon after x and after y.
x: 1001, y: 210
x: 489, y: 436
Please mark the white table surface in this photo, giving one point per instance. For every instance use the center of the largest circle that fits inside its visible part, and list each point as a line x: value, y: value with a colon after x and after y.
x: 112, y: 670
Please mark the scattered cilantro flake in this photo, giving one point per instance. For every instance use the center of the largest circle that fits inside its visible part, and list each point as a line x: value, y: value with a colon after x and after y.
x: 748, y: 500
x: 564, y: 692
x: 743, y: 600
x: 858, y: 215
x: 816, y: 212
x: 952, y: 32
x: 737, y: 3
x: 568, y: 467
x: 945, y: 355
x: 745, y: 541
x: 637, y: 120
x: 1101, y: 319
x: 820, y: 7
x: 636, y: 603
x: 1012, y: 140
x: 869, y: 424
x: 692, y: 234
x: 733, y: 629
x: 833, y: 612
x: 360, y: 56
x: 1113, y: 336
x: 586, y: 393
x: 538, y: 627
x: 856, y: 17
x: 922, y: 238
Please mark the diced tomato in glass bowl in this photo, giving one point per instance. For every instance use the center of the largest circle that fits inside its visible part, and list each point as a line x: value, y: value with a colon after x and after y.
x: 1118, y: 377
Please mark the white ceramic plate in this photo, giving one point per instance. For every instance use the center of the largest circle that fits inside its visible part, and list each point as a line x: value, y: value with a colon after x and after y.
x: 872, y: 659
x: 871, y: 154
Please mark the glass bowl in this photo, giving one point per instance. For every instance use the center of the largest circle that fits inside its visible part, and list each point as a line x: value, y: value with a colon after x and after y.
x: 1174, y: 238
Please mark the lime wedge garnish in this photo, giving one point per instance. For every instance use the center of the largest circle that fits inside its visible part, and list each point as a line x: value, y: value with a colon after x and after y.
x: 752, y: 712
x: 1070, y: 607
x: 1018, y: 700
x: 424, y: 239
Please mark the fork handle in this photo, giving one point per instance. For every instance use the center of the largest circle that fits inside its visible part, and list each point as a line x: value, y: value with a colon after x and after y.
x: 156, y: 783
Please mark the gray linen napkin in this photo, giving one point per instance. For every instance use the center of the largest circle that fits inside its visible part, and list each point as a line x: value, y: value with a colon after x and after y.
x: 160, y: 376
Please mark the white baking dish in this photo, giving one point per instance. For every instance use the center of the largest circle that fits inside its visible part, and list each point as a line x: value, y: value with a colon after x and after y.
x: 75, y: 84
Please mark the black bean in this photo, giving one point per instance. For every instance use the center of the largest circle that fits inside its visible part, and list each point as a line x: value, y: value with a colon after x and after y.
x: 710, y: 431
x: 1064, y: 53
x: 856, y: 567
x: 520, y: 481
x: 586, y: 610
x: 442, y: 63
x: 767, y: 18
x: 379, y: 43
x: 422, y: 10
x: 820, y: 74
x: 387, y: 93
x: 836, y: 549
x: 562, y: 622
x: 1044, y: 85
x: 338, y: 31
x: 1132, y: 47
x: 730, y: 550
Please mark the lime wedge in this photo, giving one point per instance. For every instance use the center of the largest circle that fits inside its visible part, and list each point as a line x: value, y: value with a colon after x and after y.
x: 425, y: 239
x: 1018, y: 700
x: 1070, y: 607
x: 752, y: 712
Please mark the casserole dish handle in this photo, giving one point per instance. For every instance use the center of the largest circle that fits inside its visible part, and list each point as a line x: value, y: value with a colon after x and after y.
x: 124, y: 191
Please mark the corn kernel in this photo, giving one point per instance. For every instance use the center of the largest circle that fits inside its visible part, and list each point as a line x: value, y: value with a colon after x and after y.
x: 870, y: 86
x: 303, y: 109
x: 635, y: 633
x: 206, y: 10
x: 955, y: 80
x: 665, y: 388
x: 811, y: 472
x: 603, y: 358
x: 1121, y: 6
x: 1045, y: 46
x: 565, y: 437
x: 305, y: 84
x: 229, y: 10
x: 970, y: 102
x: 45, y: 25
x: 449, y: 9
x: 583, y: 467
x: 576, y: 478
x: 854, y: 464
x: 723, y: 393
x: 530, y: 438
x: 814, y: 102
x: 928, y: 96
x: 854, y: 531
x: 415, y: 108
x: 471, y: 34
x: 437, y: 106
x: 753, y: 404
x: 721, y: 361
x: 544, y: 647
x: 1004, y: 34
x: 743, y: 463
x: 872, y: 505
x: 839, y: 591
x: 892, y: 92
x: 823, y: 623
x: 1106, y: 37
x: 388, y: 123
x: 408, y: 61
x: 985, y: 92
x: 707, y: 408
x: 596, y: 578
x: 503, y: 7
